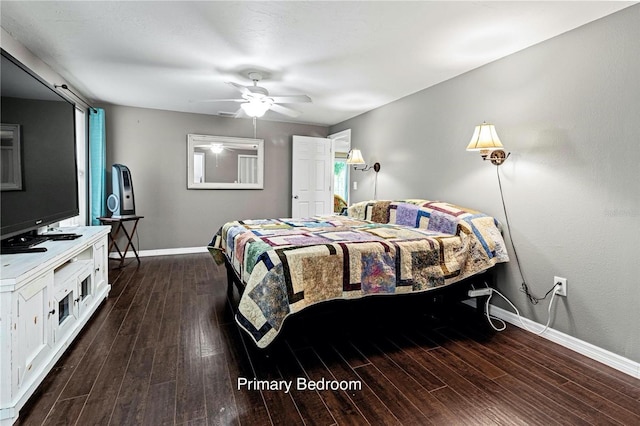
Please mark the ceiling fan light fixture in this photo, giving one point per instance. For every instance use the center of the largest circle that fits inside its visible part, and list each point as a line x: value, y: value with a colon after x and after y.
x: 216, y: 148
x: 255, y: 100
x: 255, y: 109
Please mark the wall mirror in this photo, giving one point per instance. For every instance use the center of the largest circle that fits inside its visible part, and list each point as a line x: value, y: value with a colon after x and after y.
x: 222, y: 162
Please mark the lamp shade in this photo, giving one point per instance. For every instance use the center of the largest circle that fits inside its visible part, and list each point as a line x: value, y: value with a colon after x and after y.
x: 484, y: 137
x: 255, y: 108
x: 355, y: 157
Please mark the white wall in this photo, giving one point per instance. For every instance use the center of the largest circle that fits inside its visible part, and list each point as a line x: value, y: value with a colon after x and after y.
x: 569, y: 111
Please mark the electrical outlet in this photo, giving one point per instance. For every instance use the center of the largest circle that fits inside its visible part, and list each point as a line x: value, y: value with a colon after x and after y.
x: 480, y: 292
x: 563, y: 286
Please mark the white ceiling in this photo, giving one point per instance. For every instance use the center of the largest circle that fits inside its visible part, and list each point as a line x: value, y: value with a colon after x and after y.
x: 349, y: 57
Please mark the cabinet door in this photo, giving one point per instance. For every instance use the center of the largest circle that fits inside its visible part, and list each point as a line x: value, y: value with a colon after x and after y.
x: 85, y: 292
x: 66, y: 310
x: 31, y: 340
x: 100, y: 262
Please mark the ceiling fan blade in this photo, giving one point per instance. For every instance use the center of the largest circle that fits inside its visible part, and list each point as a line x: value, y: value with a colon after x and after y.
x: 293, y: 99
x: 220, y: 100
x: 285, y: 111
x: 244, y: 90
x: 239, y: 113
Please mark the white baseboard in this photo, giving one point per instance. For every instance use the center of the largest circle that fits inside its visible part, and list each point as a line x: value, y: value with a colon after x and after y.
x: 627, y: 366
x: 163, y: 252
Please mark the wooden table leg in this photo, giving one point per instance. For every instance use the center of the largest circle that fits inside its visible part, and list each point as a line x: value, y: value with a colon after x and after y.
x: 130, y: 242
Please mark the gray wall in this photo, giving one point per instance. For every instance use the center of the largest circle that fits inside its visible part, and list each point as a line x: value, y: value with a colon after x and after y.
x: 568, y: 110
x: 153, y: 144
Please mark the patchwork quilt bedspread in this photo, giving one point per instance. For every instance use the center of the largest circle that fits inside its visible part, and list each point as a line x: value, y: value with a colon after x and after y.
x: 381, y: 247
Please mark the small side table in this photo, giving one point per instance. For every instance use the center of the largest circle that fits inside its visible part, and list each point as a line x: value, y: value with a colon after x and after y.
x: 117, y: 223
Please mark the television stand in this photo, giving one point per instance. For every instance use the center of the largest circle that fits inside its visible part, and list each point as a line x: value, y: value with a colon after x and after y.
x: 45, y: 301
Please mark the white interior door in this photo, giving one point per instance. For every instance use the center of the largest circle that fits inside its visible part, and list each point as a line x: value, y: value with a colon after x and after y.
x: 312, y: 177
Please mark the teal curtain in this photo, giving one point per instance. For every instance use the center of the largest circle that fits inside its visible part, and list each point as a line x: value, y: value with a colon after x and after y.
x: 97, y: 164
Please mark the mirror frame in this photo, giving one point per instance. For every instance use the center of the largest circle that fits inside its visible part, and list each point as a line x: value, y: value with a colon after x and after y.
x: 196, y: 139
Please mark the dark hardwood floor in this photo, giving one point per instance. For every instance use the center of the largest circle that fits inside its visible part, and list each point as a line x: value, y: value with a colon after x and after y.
x: 164, y: 349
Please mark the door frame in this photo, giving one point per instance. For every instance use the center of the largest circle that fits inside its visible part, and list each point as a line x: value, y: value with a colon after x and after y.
x: 341, y: 141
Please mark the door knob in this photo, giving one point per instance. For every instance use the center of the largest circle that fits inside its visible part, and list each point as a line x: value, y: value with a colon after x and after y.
x: 295, y: 197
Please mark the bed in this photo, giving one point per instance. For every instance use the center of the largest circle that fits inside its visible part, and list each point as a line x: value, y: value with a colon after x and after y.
x: 283, y: 266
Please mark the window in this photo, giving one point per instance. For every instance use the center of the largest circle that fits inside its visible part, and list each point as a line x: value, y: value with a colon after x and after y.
x: 81, y: 161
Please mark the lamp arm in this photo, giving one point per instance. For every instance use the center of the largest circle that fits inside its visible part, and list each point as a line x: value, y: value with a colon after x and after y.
x: 375, y: 167
x: 364, y: 169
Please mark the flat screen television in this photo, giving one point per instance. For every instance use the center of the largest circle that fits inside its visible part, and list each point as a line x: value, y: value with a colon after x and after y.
x: 39, y: 170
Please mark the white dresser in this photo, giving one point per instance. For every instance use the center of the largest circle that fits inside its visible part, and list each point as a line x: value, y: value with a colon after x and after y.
x: 45, y: 300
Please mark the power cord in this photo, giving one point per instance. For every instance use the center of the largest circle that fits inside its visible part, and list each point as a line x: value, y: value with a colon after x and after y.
x: 524, y: 287
x: 503, y: 326
x: 375, y: 187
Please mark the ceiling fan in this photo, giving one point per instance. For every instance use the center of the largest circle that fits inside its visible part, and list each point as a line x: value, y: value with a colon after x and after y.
x: 256, y: 101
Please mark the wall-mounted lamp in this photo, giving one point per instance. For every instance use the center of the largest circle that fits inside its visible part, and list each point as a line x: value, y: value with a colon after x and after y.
x: 355, y: 157
x: 485, y: 139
